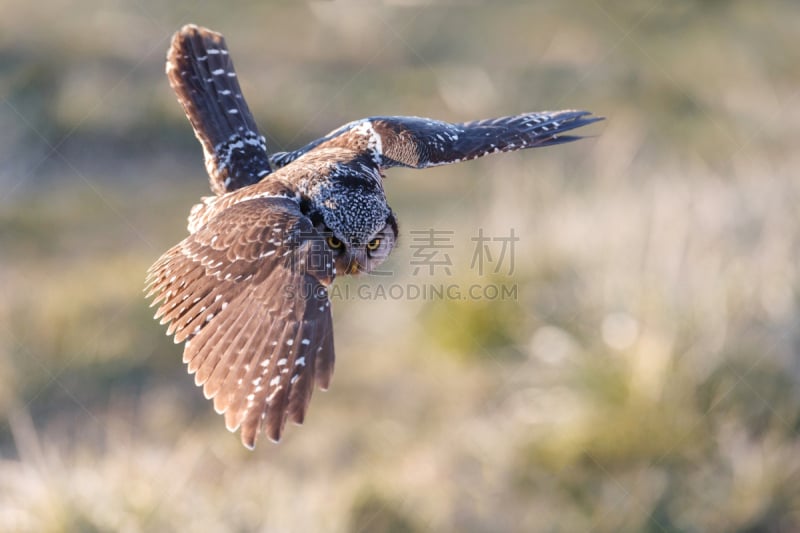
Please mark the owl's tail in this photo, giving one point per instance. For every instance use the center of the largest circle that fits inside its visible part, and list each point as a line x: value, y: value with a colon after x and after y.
x: 201, y: 73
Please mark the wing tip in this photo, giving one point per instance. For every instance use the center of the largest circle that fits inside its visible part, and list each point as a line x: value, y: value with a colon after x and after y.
x: 194, y: 30
x: 568, y: 120
x: 249, y: 435
x: 298, y: 417
x: 187, y: 37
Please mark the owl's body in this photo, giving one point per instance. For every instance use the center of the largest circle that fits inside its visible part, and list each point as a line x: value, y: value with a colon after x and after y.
x: 247, y: 289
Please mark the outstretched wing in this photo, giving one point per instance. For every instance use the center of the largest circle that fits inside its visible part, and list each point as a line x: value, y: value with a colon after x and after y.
x: 422, y: 142
x: 247, y: 294
x: 201, y: 73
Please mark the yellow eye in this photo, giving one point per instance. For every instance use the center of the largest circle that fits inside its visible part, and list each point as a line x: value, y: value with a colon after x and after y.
x: 373, y: 244
x: 334, y: 243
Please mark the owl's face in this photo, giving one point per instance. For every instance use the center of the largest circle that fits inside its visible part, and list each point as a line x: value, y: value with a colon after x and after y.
x: 354, y: 257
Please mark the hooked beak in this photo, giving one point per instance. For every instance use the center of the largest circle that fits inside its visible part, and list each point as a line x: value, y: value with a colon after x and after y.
x: 358, y: 261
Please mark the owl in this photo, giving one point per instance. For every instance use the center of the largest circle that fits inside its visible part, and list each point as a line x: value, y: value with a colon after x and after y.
x: 247, y: 291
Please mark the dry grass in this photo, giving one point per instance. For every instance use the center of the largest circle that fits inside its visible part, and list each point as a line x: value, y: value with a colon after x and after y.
x: 645, y: 379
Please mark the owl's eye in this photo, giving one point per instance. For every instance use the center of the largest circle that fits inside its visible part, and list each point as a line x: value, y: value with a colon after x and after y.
x: 334, y: 243
x: 374, y: 244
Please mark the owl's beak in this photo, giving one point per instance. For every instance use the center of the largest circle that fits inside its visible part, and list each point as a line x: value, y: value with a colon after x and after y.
x: 358, y: 260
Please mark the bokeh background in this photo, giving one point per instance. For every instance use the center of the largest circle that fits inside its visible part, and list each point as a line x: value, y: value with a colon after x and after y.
x: 645, y: 378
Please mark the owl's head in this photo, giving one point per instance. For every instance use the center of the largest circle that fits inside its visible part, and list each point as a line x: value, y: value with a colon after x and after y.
x: 354, y: 254
x: 359, y: 228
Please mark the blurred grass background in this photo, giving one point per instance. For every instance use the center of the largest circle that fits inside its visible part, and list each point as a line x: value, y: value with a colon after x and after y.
x: 646, y: 378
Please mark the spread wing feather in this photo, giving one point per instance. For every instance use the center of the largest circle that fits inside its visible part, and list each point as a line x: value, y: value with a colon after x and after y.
x: 255, y: 320
x: 201, y: 73
x: 421, y: 142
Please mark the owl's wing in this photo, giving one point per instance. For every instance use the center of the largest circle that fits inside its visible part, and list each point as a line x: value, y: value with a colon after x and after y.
x: 421, y: 142
x: 247, y: 294
x: 201, y: 73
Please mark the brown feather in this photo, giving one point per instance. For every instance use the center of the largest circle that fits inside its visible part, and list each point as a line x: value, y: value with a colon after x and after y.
x: 229, y: 302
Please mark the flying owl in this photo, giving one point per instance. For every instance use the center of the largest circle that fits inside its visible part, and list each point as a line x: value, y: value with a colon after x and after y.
x: 246, y: 291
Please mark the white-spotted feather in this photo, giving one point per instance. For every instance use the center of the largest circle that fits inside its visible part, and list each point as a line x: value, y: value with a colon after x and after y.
x: 239, y: 290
